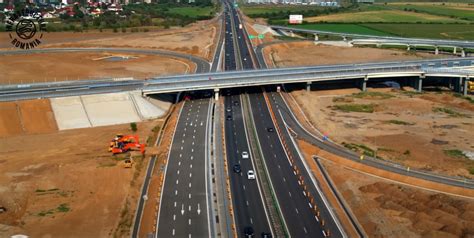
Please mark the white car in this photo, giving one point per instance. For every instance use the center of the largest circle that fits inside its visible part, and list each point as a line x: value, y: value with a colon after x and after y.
x: 251, y: 175
x: 245, y: 155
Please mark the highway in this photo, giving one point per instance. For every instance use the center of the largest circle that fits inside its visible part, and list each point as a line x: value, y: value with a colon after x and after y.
x: 298, y: 215
x: 246, y: 195
x: 184, y: 201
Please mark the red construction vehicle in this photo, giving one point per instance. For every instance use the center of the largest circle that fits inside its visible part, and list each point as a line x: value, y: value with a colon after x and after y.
x: 125, y: 143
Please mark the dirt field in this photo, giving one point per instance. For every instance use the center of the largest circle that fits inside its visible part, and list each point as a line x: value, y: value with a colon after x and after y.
x: 26, y: 117
x: 41, y: 191
x: 74, y: 66
x: 10, y: 122
x: 410, y: 129
x: 197, y: 39
x: 392, y: 210
x: 307, y: 53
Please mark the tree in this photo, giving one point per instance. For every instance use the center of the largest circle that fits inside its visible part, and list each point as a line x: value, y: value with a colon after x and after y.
x: 133, y: 126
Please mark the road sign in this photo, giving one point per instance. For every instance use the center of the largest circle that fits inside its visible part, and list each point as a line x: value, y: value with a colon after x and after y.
x: 251, y: 37
x: 260, y: 36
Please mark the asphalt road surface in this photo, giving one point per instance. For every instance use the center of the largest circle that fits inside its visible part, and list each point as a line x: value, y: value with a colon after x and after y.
x: 294, y: 205
x: 183, y: 207
x: 247, y: 201
x: 299, y: 218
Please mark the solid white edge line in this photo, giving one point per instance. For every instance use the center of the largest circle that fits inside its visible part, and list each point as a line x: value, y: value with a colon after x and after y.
x: 166, y: 169
x: 313, y: 180
x: 253, y: 165
x: 206, y: 148
x: 265, y: 164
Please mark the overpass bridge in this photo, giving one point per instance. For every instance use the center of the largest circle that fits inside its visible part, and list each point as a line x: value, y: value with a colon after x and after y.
x: 359, y: 39
x: 419, y: 71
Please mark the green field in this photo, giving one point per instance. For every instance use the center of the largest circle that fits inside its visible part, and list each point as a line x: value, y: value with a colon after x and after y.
x: 268, y: 9
x: 344, y: 28
x: 384, y: 16
x: 439, y: 10
x: 435, y: 31
x: 192, y: 11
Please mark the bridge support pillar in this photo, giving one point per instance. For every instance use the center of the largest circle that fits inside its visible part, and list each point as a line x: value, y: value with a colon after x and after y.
x: 316, y: 37
x: 408, y: 47
x: 216, y: 94
x: 463, y: 53
x: 344, y: 38
x: 455, y: 50
x: 292, y: 34
x: 436, y: 50
x: 308, y: 86
x: 419, y: 84
x: 465, y: 86
x: 363, y: 86
x: 457, y: 84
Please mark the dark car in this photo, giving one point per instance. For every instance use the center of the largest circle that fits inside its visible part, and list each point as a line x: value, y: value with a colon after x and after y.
x: 237, y: 168
x: 266, y: 235
x: 229, y: 118
x: 236, y: 103
x: 248, y: 231
x: 270, y: 129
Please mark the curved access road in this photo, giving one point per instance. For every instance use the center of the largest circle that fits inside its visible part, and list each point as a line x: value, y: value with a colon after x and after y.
x: 201, y: 64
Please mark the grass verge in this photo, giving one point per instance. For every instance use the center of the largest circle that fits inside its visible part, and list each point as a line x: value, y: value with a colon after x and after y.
x: 399, y: 122
x: 455, y: 153
x: 360, y: 148
x: 375, y: 95
x: 450, y: 112
x: 366, y: 108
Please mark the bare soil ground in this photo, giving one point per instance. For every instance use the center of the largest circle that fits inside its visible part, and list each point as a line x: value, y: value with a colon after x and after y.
x: 307, y: 53
x: 386, y: 208
x: 66, y: 183
x: 392, y: 210
x: 37, y: 116
x: 10, y: 122
x: 61, y: 37
x: 26, y: 117
x: 86, y: 65
x: 406, y: 128
x: 197, y: 39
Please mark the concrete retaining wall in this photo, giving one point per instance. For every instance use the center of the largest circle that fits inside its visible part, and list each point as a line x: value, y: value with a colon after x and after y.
x: 104, y: 109
x: 69, y: 113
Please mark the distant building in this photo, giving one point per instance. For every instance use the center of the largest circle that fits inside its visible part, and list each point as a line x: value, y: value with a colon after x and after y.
x: 329, y: 3
x: 366, y: 1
